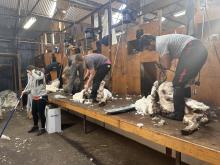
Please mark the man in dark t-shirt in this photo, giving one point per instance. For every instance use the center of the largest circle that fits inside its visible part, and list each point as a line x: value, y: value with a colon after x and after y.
x: 191, y: 55
x: 98, y: 67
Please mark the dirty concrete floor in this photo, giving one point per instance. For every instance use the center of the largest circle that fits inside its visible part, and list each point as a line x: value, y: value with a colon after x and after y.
x: 73, y: 147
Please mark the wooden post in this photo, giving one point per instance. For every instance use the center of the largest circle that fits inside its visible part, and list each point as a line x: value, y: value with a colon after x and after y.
x: 19, y: 72
x: 160, y: 14
x: 84, y: 124
x: 110, y: 28
x: 168, y: 152
x: 14, y: 75
x: 110, y: 36
x: 92, y: 20
x: 178, y: 158
x: 100, y: 24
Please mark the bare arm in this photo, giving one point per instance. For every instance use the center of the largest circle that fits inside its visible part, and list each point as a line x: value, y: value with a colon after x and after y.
x: 165, y: 61
x: 87, y: 74
x: 91, y: 76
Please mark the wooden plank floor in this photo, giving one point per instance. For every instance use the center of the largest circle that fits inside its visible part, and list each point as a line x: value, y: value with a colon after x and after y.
x: 203, y: 144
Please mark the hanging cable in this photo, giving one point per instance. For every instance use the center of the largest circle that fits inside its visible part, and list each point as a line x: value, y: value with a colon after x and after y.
x: 118, y: 44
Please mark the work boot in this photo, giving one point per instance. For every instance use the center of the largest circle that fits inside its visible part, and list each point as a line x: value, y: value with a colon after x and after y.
x: 33, y: 129
x: 94, y: 101
x: 173, y: 116
x: 41, y: 132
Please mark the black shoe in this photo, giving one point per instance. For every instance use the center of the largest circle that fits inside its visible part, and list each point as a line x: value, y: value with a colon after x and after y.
x: 173, y: 116
x: 102, y: 104
x: 33, y: 129
x: 188, y: 132
x: 94, y: 101
x: 41, y: 132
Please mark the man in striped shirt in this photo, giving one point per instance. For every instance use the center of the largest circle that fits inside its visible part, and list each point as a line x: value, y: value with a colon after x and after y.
x: 191, y: 55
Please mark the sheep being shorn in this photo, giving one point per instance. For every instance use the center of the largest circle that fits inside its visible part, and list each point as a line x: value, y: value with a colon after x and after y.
x: 195, y: 112
x: 103, y: 95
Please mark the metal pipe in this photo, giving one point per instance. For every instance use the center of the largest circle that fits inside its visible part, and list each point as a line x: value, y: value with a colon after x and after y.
x: 23, y: 41
x: 88, y: 15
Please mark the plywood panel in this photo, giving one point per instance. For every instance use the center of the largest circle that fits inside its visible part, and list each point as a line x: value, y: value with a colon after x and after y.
x: 119, y: 67
x: 59, y: 58
x: 195, y: 145
x: 149, y: 28
x: 126, y: 76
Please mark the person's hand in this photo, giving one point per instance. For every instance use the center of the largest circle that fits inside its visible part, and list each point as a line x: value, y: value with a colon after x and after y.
x: 86, y: 87
x: 22, y: 93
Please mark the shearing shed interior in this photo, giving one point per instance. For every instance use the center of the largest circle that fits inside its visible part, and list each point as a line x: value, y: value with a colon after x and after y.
x: 109, y: 82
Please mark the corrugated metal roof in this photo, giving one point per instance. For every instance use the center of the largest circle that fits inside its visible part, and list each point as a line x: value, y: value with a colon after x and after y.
x: 47, y: 8
x: 5, y: 17
x: 11, y: 4
x: 27, y: 4
x: 101, y: 1
x: 74, y: 14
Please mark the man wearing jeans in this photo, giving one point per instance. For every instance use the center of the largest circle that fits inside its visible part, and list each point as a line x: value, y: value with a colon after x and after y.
x: 191, y: 55
x: 98, y: 67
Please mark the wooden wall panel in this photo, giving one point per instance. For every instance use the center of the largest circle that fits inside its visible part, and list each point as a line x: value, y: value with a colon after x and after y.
x: 149, y: 28
x: 119, y: 67
x: 126, y: 72
x: 59, y: 58
x: 134, y: 72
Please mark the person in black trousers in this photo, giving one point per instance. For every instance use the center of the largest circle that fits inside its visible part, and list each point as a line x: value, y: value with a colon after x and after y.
x: 37, y: 87
x: 98, y: 67
x: 191, y: 55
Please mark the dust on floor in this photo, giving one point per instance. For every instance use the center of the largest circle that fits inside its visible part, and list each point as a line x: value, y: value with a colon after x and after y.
x: 73, y: 147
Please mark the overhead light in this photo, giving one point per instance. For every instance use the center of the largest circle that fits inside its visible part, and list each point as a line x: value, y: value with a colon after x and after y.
x: 122, y: 7
x: 53, y: 38
x: 29, y: 23
x: 163, y: 19
x: 181, y: 13
x: 64, y: 11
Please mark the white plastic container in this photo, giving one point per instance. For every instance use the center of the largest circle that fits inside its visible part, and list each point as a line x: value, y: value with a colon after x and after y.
x: 53, y: 119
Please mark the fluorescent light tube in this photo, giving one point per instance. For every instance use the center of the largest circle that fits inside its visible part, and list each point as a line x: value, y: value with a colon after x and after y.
x: 29, y: 23
x: 163, y: 19
x: 181, y: 13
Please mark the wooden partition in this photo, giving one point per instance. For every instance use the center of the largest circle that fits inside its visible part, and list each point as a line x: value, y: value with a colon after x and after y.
x: 126, y: 68
x: 126, y: 76
x: 60, y: 59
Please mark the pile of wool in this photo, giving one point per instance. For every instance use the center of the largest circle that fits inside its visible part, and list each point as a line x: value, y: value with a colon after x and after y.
x: 54, y: 86
x: 161, y: 100
x: 8, y: 99
x: 148, y: 105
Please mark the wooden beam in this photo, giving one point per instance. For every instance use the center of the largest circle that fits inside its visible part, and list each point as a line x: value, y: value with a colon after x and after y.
x: 88, y: 15
x: 92, y: 20
x: 156, y: 5
x: 181, y: 145
x: 174, y: 20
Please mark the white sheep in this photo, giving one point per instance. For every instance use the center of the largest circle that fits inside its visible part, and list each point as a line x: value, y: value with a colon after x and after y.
x: 195, y: 112
x: 103, y: 95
